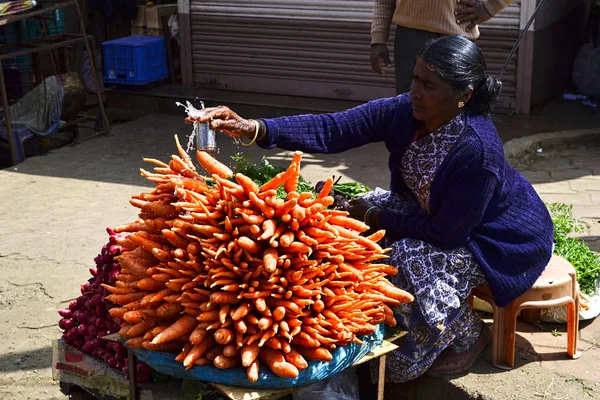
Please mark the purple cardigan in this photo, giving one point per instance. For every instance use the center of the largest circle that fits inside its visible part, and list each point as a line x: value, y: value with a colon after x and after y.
x: 477, y: 199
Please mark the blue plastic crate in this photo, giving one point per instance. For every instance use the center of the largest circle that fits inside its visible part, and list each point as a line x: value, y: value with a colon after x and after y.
x: 135, y: 60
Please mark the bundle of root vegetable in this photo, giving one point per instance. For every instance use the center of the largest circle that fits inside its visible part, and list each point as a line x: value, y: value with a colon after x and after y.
x: 231, y: 274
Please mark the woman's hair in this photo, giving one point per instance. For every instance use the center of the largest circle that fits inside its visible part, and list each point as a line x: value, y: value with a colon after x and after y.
x: 459, y: 62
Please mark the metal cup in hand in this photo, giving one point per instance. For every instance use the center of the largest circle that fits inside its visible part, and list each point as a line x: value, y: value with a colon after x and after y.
x: 206, y: 138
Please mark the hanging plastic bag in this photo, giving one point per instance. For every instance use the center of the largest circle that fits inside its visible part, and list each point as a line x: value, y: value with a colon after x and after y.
x: 88, y: 76
x: 586, y: 67
x: 343, y: 386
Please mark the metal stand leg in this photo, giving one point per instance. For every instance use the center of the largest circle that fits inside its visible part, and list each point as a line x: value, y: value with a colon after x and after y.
x: 11, y: 139
x: 381, y: 379
x: 132, y: 375
x: 53, y: 57
x: 92, y: 58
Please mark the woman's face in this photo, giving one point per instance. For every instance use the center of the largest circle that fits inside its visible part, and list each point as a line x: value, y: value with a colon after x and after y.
x: 434, y: 101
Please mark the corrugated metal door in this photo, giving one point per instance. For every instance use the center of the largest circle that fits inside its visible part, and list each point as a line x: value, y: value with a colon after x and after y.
x: 498, y: 36
x: 313, y: 48
x: 310, y: 48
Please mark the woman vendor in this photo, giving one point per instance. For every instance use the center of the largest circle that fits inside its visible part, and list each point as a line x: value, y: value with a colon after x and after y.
x: 457, y: 214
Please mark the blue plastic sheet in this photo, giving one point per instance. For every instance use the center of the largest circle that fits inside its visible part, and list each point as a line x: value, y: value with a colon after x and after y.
x: 343, y: 358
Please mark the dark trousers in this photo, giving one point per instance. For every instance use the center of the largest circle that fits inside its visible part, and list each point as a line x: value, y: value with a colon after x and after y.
x: 408, y: 43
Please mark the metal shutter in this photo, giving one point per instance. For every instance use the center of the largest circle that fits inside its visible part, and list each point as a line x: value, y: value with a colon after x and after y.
x: 310, y: 48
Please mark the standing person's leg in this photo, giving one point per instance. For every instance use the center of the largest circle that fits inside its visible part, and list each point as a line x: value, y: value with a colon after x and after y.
x: 407, y: 45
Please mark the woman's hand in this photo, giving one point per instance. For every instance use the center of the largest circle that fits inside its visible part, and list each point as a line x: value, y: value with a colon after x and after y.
x: 358, y: 208
x: 222, y: 118
x: 471, y: 11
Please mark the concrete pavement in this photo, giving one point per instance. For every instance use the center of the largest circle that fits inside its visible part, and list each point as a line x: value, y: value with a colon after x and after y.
x: 54, y: 208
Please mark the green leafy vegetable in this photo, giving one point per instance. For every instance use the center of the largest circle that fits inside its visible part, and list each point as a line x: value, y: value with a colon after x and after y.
x: 574, y: 250
x: 264, y: 172
x: 351, y: 190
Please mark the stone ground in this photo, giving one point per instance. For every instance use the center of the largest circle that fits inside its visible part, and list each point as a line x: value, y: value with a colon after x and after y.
x: 54, y: 208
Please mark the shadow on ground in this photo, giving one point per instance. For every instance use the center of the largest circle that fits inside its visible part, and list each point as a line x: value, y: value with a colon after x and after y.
x: 118, y: 158
x: 26, y: 360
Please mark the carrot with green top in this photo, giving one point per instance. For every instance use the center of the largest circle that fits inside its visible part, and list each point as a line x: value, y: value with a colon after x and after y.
x: 280, y: 179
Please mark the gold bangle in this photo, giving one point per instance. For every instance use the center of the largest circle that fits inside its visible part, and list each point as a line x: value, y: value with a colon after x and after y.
x: 255, y: 133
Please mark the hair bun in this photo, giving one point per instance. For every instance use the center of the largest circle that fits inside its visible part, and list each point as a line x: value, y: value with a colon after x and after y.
x: 485, y: 95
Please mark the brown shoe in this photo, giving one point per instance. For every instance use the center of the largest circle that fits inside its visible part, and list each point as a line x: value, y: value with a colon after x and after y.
x: 452, y: 363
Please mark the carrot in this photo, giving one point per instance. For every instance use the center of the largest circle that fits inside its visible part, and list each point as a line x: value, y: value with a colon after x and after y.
x: 134, y: 317
x: 286, y: 239
x: 118, y: 290
x: 248, y: 244
x: 295, y: 358
x: 169, y: 310
x: 175, y: 239
x: 247, y: 184
x: 268, y: 226
x: 393, y: 292
x: 124, y: 329
x: 128, y: 278
x: 249, y: 354
x: 123, y: 299
x: 198, y: 335
x: 275, y: 360
x: 197, y: 351
x: 223, y: 362
x: 223, y: 336
x: 132, y: 227
x: 377, y: 236
x: 253, y: 370
x: 117, y: 312
x: 135, y: 343
x: 327, y: 186
x: 181, y: 327
x: 270, y: 259
x: 279, y: 179
x: 184, y: 352
x: 224, y: 298
x: 212, y: 166
x: 274, y: 343
x: 279, y: 313
x: 385, y: 268
x: 241, y: 326
x: 290, y: 306
x: 150, y: 284
x: 171, y: 347
x: 160, y: 208
x: 231, y: 351
x: 291, y: 185
x: 139, y: 329
x: 133, y: 265
x: 318, y: 354
x: 209, y: 316
x: 299, y: 247
x: 350, y: 223
x: 265, y: 323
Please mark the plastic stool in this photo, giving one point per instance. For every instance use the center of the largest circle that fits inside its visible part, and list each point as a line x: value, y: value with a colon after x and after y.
x: 556, y: 286
x: 20, y: 135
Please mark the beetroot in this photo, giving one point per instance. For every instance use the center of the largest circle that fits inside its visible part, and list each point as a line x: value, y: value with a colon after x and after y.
x: 66, y: 312
x: 142, y: 372
x: 86, y: 319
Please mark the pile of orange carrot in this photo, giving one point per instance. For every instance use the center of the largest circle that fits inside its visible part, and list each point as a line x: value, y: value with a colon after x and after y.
x: 232, y: 275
